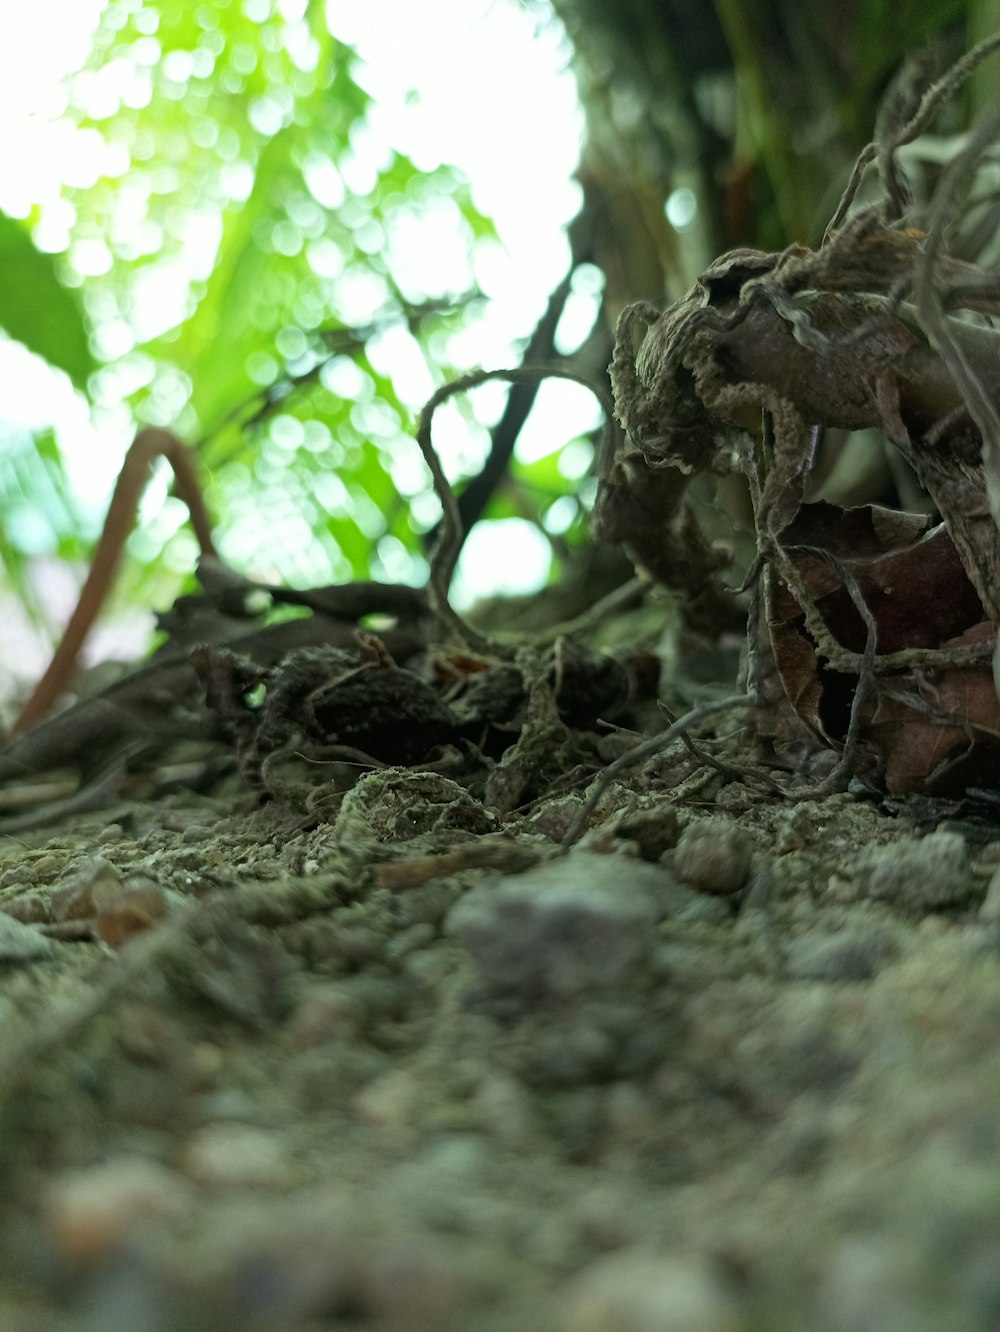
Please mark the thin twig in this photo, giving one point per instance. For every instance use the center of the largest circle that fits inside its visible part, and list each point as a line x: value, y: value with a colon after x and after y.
x: 621, y: 598
x: 148, y: 445
x: 647, y: 750
x: 449, y: 543
x: 944, y: 87
x: 934, y: 97
x: 865, y: 158
x: 866, y: 669
x: 935, y: 325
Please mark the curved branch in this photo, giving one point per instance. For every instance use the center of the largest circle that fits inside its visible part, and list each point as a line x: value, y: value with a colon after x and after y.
x: 148, y: 445
x: 449, y: 543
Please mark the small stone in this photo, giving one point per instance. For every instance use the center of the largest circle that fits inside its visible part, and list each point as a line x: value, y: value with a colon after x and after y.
x: 390, y: 1100
x: 639, y: 1291
x: 555, y: 817
x: 232, y: 1155
x: 605, y: 1218
x: 504, y: 1110
x: 240, y: 970
x: 21, y: 943
x: 567, y: 927
x: 32, y: 908
x: 915, y: 874
x: 18, y: 876
x: 92, y: 1213
x: 652, y: 831
x: 987, y: 857
x: 326, y: 1012
x: 112, y: 832
x: 413, y: 940
x: 713, y: 855
x: 837, y: 957
x: 632, y: 1117
x: 569, y: 1054
x: 80, y: 895
x: 130, y: 911
x: 990, y: 909
x: 147, y: 1034
x: 428, y: 904
x: 397, y: 805
x: 703, y: 909
x: 329, y: 943
x: 412, y: 1283
x: 872, y: 1282
x: 429, y: 968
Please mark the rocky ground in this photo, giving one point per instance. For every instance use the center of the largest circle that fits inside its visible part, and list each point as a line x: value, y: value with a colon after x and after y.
x: 728, y: 1065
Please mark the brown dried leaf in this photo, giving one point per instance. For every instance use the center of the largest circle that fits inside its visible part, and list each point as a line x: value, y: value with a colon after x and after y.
x: 927, y: 728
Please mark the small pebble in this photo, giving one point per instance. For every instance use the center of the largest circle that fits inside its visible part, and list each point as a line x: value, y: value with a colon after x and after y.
x: 32, y: 908
x: 632, y: 1117
x: 564, y: 928
x: 80, y: 895
x: 652, y: 831
x: 713, y: 855
x: 130, y: 911
x: 990, y: 909
x: 639, y: 1291
x: 91, y: 1213
x: 147, y: 1034
x: 413, y: 940
x: 916, y: 874
x: 326, y: 1012
x: 987, y: 857
x: 504, y: 1109
x: 605, y: 1217
x: 555, y: 817
x: 837, y: 957
x: 18, y: 876
x: 232, y: 1155
x: 390, y: 1100
x: 397, y: 805
x: 872, y: 1283
x: 21, y: 943
x: 412, y: 1284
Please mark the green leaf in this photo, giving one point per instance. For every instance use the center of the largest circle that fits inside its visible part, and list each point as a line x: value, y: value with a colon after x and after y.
x: 218, y: 339
x: 36, y: 309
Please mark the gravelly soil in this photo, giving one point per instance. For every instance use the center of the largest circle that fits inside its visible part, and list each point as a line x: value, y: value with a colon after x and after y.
x: 725, y: 1066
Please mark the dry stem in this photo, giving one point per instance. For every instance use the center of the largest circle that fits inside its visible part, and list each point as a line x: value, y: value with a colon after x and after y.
x: 148, y: 445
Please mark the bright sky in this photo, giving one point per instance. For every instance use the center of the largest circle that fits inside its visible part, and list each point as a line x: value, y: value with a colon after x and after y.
x: 517, y: 142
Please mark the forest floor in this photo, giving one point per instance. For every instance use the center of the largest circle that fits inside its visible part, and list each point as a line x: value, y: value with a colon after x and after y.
x: 730, y: 1064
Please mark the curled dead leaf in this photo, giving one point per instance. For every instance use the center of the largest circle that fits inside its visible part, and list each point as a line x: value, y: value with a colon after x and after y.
x: 931, y: 721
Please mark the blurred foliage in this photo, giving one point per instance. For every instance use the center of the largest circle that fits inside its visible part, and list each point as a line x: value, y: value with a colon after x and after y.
x: 238, y: 258
x: 747, y: 113
x: 241, y: 124
x: 37, y: 309
x: 38, y: 511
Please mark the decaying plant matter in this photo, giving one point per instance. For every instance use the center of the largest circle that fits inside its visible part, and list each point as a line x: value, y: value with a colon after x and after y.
x: 882, y: 624
x: 878, y: 328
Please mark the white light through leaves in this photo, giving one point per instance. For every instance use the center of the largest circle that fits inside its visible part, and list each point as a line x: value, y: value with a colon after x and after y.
x: 680, y: 208
x: 439, y: 73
